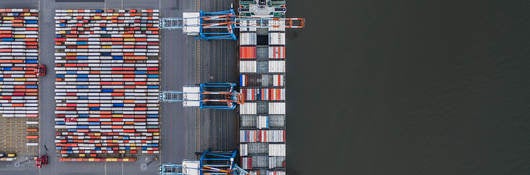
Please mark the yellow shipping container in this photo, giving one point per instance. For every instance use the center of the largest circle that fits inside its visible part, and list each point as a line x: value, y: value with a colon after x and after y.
x: 20, y: 79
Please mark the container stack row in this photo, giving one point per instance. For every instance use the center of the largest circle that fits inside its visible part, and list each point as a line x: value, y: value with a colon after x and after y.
x: 107, y: 84
x: 19, y: 52
x: 262, y: 116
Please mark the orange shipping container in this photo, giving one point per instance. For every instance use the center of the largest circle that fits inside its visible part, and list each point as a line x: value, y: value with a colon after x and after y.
x: 247, y: 52
x: 32, y: 137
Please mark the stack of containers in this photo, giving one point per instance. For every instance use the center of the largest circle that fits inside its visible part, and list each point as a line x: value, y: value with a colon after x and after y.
x: 262, y: 116
x: 107, y: 84
x: 19, y: 32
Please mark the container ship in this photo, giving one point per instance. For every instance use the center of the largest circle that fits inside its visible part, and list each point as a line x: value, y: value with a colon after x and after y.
x: 262, y: 80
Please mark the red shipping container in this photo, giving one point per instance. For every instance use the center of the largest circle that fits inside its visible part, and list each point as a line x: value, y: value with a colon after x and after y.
x: 247, y: 52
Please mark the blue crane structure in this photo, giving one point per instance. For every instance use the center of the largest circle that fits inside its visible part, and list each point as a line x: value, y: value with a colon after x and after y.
x: 222, y: 95
x: 207, y: 25
x: 209, y: 163
x: 222, y: 24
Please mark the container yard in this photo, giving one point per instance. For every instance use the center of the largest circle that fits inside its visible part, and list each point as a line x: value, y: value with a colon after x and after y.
x: 19, y: 82
x: 107, y: 84
x: 103, y: 66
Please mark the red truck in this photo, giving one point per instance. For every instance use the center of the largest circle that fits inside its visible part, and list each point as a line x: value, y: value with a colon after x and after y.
x: 41, y: 161
x: 41, y: 70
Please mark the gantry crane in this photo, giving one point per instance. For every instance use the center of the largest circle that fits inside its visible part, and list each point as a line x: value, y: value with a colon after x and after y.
x: 222, y: 24
x: 210, y: 163
x: 206, y: 96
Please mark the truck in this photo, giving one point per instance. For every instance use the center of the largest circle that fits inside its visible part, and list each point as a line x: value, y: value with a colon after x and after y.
x: 41, y: 161
x: 41, y: 70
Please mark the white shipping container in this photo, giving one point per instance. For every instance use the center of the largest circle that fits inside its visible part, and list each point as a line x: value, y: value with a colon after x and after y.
x: 277, y: 108
x: 248, y: 108
x: 274, y: 136
x: 277, y: 66
x: 276, y: 38
x: 262, y: 122
x: 243, y: 149
x: 276, y: 149
x: 247, y: 39
x: 247, y: 66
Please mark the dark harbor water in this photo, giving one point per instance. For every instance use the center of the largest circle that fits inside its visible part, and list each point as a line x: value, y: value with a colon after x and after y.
x: 409, y: 87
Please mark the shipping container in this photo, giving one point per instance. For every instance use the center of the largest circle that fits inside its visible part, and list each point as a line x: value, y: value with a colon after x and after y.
x: 277, y: 52
x: 276, y: 162
x: 247, y: 39
x: 277, y: 108
x: 247, y: 52
x: 260, y: 161
x: 276, y: 38
x: 248, y: 121
x: 276, y: 66
x: 276, y: 149
x: 247, y: 66
x: 248, y: 108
